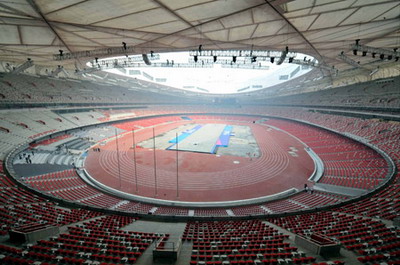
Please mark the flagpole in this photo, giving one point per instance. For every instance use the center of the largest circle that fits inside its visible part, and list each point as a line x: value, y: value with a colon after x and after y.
x: 119, y: 165
x: 177, y: 167
x: 134, y: 157
x: 155, y: 165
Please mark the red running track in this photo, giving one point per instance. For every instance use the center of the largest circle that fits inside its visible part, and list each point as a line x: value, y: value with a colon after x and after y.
x: 203, y: 177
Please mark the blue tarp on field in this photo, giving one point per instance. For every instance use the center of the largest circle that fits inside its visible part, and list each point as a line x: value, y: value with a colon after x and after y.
x: 223, y: 140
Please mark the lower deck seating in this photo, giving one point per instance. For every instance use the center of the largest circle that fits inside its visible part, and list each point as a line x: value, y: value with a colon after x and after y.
x: 93, y: 242
x: 372, y: 240
x: 210, y: 212
x: 19, y: 207
x: 240, y: 242
x: 68, y: 185
x: 172, y: 211
x: 385, y: 204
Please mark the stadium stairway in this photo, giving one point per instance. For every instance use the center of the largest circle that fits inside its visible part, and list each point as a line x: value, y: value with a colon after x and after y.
x: 175, y: 231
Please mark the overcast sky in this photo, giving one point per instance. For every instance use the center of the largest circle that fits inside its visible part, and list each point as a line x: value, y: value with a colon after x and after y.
x: 217, y: 79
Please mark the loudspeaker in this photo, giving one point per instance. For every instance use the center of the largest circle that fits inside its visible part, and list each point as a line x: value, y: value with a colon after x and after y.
x: 146, y: 59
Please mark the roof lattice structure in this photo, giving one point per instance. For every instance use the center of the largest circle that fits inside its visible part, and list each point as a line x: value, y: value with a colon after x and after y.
x: 322, y: 28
